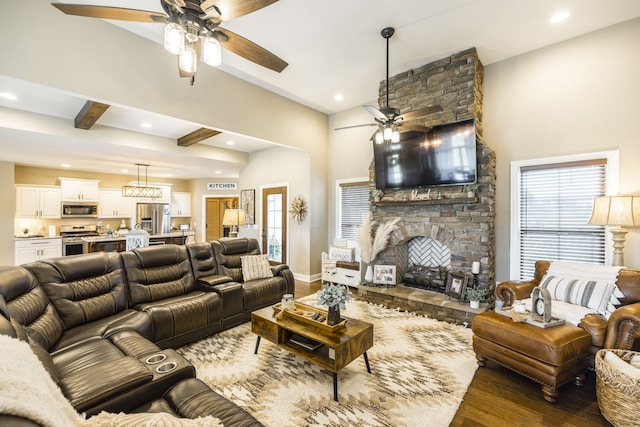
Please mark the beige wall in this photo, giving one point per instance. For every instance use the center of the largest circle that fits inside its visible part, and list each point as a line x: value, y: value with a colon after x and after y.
x: 6, y: 213
x: 575, y: 97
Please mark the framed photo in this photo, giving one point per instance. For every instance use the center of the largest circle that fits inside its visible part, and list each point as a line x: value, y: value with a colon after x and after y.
x: 456, y: 285
x: 247, y: 204
x: 384, y: 274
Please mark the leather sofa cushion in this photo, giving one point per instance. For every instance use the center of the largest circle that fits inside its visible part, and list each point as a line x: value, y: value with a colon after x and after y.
x: 28, y: 305
x: 85, y: 288
x: 263, y: 292
x: 554, y: 346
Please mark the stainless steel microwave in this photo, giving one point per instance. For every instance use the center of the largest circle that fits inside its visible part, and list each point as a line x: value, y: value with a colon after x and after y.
x: 79, y: 209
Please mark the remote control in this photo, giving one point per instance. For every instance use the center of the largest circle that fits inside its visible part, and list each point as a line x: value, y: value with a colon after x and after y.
x: 315, y: 316
x: 321, y: 319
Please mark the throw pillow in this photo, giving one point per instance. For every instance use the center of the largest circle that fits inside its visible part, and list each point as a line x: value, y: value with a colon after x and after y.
x: 255, y: 267
x: 593, y: 294
x: 341, y: 254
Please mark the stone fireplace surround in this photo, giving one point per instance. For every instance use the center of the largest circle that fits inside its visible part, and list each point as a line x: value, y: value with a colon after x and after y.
x: 463, y: 225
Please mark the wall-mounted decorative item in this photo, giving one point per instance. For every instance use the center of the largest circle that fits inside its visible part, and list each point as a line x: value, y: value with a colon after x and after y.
x: 247, y: 204
x: 384, y: 274
x: 298, y: 209
x: 456, y: 285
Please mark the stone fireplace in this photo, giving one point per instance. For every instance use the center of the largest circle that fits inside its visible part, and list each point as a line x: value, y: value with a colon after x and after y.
x: 448, y: 229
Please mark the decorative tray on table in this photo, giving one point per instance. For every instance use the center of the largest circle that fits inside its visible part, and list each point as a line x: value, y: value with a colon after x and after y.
x: 506, y: 311
x: 303, y: 313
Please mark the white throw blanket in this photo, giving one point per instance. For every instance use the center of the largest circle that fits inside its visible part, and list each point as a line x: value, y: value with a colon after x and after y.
x: 583, y: 271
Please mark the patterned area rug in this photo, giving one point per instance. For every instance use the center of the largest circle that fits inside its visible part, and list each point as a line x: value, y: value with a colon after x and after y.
x: 421, y: 369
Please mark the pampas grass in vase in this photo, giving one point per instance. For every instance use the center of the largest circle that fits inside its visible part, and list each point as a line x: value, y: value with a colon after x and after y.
x: 373, y: 242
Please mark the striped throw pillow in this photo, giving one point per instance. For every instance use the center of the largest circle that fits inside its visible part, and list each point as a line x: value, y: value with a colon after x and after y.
x: 593, y: 294
x: 255, y: 267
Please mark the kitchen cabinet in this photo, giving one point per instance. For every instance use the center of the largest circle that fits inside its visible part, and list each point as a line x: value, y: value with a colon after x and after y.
x: 111, y: 204
x: 180, y: 204
x: 30, y: 250
x: 85, y: 190
x: 38, y: 202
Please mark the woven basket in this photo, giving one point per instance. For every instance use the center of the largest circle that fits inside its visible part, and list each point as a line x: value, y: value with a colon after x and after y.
x: 618, y: 394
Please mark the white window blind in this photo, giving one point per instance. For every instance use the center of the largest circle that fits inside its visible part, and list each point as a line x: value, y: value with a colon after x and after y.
x: 555, y: 206
x: 354, y: 205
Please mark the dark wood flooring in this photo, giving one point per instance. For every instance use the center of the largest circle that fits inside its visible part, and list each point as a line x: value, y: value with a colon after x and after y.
x: 499, y: 397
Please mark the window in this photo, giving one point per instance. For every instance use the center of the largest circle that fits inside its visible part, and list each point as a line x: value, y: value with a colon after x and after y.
x: 553, y: 204
x: 353, y: 205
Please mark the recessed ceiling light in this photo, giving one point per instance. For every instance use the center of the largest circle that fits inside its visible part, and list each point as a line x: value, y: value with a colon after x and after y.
x: 124, y: 170
x: 559, y: 17
x: 231, y: 142
x: 9, y: 96
x: 146, y: 125
x: 218, y: 172
x: 65, y: 165
x: 338, y: 97
x: 169, y: 175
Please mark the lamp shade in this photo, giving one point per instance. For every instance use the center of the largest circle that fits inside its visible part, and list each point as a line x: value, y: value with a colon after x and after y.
x: 616, y: 211
x: 233, y: 217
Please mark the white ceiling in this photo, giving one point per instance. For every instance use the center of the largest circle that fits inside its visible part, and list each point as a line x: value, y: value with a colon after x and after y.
x: 335, y: 44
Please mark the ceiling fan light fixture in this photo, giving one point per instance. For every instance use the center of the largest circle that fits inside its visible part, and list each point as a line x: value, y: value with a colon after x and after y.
x: 379, y: 137
x: 188, y: 60
x: 174, y: 37
x: 387, y: 133
x: 395, y: 136
x: 211, y: 51
x: 192, y: 31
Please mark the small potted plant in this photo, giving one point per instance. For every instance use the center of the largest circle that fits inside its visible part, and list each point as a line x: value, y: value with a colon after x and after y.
x: 470, y: 189
x: 377, y: 194
x: 334, y: 296
x: 474, y: 295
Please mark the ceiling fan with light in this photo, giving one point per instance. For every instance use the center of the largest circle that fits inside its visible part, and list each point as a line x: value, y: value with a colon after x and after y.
x: 192, y: 29
x: 388, y: 119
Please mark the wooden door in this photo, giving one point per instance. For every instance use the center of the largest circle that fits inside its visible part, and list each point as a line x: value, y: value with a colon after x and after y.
x: 274, y: 224
x: 215, y: 211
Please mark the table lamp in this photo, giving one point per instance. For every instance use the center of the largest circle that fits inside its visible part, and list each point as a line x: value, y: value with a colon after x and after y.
x: 618, y: 212
x: 233, y: 218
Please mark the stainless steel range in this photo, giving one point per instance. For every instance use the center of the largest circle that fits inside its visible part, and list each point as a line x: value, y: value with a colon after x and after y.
x: 72, y: 238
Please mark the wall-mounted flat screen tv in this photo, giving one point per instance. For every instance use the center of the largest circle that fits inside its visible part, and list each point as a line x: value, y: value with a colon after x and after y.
x: 446, y: 155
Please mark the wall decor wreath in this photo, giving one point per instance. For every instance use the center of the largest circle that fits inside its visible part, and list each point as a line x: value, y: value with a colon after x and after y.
x: 298, y: 209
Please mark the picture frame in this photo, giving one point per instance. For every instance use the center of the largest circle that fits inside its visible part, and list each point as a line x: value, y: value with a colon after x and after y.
x: 247, y: 204
x: 384, y: 274
x: 456, y: 285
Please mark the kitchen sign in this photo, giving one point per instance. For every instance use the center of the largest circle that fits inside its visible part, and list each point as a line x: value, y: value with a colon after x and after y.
x: 213, y: 186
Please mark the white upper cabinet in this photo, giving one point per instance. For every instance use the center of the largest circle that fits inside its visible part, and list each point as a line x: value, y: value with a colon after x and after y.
x: 84, y: 190
x: 111, y: 204
x: 180, y: 204
x: 38, y: 202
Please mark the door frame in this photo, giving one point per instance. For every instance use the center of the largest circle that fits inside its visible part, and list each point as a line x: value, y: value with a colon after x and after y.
x: 203, y: 212
x: 258, y: 205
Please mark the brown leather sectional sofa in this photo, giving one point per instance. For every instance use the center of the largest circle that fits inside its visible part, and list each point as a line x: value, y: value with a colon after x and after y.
x: 104, y: 324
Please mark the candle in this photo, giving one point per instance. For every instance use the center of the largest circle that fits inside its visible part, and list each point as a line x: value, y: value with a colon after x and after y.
x: 475, y: 267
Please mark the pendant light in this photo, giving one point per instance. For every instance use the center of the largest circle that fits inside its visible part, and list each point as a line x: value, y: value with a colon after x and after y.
x: 140, y: 191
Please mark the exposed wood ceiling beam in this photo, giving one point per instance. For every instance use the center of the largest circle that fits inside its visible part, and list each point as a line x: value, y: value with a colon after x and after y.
x: 196, y: 136
x: 89, y: 114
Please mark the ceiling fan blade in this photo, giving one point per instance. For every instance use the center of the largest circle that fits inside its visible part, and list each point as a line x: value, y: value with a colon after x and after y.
x: 117, y: 13
x: 414, y: 126
x: 412, y: 115
x: 231, y: 9
x: 356, y: 126
x: 249, y: 50
x: 375, y: 112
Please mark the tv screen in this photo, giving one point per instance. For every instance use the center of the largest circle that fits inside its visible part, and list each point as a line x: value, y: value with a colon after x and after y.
x: 446, y: 155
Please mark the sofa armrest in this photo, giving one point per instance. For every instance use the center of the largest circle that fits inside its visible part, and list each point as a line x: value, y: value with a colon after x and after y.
x: 623, y: 327
x: 208, y: 283
x: 284, y: 271
x: 513, y: 290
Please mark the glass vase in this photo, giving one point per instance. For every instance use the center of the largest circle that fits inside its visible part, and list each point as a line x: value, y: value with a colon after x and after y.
x: 333, y: 315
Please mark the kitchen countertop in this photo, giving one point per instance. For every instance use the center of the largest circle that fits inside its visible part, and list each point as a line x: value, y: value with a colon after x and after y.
x: 107, y: 238
x: 33, y: 237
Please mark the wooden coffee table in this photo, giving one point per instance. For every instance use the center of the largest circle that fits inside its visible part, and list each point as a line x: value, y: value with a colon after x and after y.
x: 337, y: 348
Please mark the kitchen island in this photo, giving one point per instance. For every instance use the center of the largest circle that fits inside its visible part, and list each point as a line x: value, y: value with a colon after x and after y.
x: 111, y: 243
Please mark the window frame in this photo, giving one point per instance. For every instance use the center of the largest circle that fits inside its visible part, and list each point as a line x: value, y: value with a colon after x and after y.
x: 611, y: 184
x: 338, y: 192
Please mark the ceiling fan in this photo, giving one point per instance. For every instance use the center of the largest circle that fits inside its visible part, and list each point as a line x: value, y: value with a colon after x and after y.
x: 389, y: 120
x: 192, y: 27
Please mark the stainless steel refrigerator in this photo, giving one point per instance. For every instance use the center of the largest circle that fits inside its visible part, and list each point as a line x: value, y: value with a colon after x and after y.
x: 155, y: 218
